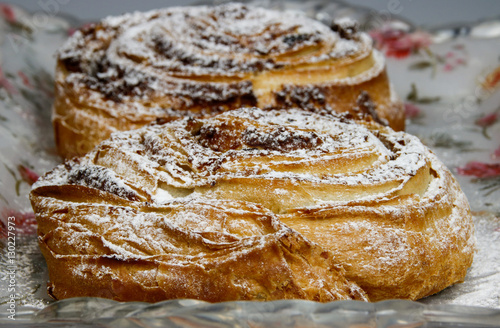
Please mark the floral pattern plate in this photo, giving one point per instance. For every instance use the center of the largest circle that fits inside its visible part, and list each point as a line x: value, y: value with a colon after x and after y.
x: 449, y: 80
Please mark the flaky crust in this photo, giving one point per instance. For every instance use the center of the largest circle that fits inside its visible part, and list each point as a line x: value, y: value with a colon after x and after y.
x: 128, y: 71
x: 201, y: 249
x: 289, y: 204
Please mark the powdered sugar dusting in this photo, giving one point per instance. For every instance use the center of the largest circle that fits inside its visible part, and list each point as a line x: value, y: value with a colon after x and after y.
x: 188, y: 156
x: 232, y: 178
x: 192, y: 154
x: 141, y: 56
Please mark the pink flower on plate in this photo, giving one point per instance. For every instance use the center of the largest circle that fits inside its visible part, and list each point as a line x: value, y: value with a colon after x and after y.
x: 448, y: 68
x: 25, y: 79
x: 27, y: 175
x: 480, y: 170
x: 412, y: 111
x: 496, y: 153
x: 398, y: 43
x: 487, y: 120
x: 4, y: 83
x: 25, y: 222
x: 7, y: 13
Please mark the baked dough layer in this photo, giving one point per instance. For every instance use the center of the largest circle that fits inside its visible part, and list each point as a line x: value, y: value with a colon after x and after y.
x: 125, y: 72
x: 253, y: 204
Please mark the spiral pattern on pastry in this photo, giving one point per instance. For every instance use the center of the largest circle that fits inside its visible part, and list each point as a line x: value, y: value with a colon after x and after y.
x: 127, y: 71
x: 376, y: 201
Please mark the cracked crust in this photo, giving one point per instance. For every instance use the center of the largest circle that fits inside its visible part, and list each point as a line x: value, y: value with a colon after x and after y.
x: 127, y: 71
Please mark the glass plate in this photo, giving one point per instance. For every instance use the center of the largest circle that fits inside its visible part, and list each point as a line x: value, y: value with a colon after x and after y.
x: 449, y: 80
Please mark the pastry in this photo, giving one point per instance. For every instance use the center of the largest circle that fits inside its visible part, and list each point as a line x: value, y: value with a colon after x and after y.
x: 253, y: 204
x: 199, y: 249
x: 125, y: 72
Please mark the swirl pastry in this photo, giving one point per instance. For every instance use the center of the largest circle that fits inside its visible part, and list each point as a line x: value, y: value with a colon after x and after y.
x: 127, y: 71
x: 253, y: 204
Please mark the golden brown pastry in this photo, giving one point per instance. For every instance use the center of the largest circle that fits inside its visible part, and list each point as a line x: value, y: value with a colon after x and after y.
x: 127, y: 71
x: 202, y: 249
x: 202, y: 208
